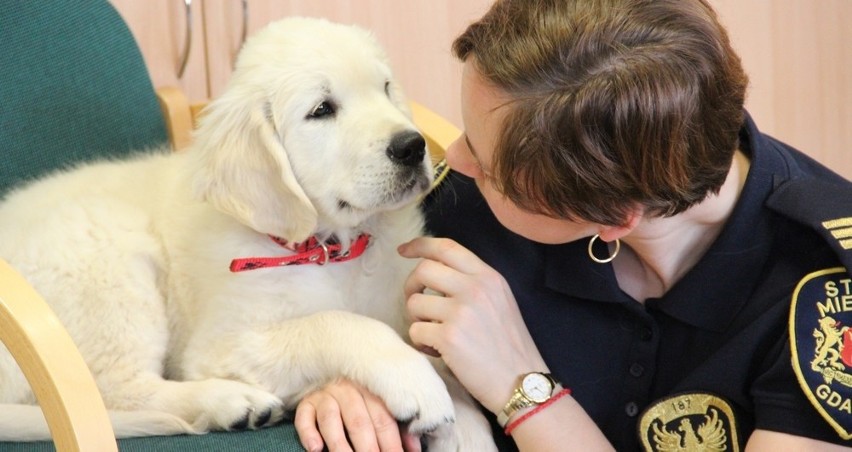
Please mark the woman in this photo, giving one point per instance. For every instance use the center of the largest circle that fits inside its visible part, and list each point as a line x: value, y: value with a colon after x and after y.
x: 624, y: 240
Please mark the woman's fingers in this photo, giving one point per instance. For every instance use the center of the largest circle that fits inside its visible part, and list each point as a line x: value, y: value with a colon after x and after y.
x: 306, y: 425
x: 426, y: 337
x: 386, y: 428
x: 411, y: 443
x: 427, y: 307
x: 445, y: 251
x: 439, y: 277
x: 319, y: 421
x: 343, y: 416
x: 422, y: 278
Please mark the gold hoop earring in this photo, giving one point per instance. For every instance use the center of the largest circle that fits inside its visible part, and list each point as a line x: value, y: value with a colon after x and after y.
x: 607, y: 259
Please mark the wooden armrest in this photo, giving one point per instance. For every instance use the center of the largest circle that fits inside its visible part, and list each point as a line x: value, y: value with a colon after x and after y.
x: 439, y: 132
x: 180, y: 116
x: 177, y: 115
x: 59, y: 377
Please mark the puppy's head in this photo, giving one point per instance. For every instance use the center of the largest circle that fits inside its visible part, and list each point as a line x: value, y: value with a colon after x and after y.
x: 312, y: 133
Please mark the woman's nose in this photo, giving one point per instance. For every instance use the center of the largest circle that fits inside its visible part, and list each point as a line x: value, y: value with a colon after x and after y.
x: 459, y: 159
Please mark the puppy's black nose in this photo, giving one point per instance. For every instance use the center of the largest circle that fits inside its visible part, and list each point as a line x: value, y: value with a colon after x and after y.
x: 407, y: 148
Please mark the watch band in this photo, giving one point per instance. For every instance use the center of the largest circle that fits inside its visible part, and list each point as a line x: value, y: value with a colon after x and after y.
x: 520, y: 400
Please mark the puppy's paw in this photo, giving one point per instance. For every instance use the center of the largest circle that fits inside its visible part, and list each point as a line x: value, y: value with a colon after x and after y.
x: 411, y: 389
x: 471, y: 432
x: 232, y: 405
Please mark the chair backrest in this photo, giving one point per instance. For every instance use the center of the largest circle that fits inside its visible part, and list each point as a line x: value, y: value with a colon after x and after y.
x: 73, y: 87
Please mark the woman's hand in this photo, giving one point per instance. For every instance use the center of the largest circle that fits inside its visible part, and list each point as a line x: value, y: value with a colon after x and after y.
x: 343, y: 407
x: 474, y: 325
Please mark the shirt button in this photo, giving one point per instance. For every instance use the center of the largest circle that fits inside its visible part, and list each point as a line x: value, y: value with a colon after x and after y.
x: 646, y: 334
x: 637, y: 370
x: 632, y: 409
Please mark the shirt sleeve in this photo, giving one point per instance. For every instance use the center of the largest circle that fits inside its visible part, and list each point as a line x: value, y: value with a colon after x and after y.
x: 781, y: 405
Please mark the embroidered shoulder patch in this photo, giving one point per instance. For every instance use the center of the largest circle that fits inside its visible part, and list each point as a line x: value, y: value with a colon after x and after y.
x: 689, y: 421
x: 821, y: 343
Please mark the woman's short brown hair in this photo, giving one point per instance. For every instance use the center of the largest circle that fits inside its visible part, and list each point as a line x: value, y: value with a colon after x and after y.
x: 613, y: 103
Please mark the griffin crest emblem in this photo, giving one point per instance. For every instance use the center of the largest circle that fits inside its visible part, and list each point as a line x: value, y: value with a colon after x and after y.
x: 821, y: 344
x: 698, y: 422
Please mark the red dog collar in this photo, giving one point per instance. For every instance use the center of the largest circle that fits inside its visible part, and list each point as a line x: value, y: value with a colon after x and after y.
x: 311, y: 251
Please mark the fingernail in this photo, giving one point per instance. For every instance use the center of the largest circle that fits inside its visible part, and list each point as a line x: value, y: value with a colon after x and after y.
x: 313, y: 446
x: 429, y: 351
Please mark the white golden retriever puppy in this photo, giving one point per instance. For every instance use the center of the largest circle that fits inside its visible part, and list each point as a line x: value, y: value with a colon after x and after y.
x: 172, y: 271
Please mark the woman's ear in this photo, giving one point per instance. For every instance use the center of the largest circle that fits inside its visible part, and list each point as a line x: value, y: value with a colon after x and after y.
x: 611, y: 233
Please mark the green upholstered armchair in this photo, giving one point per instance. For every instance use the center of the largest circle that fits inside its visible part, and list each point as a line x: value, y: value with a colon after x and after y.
x: 74, y: 87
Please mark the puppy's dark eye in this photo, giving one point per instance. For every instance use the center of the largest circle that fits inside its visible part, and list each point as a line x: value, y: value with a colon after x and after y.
x: 322, y: 110
x: 387, y: 88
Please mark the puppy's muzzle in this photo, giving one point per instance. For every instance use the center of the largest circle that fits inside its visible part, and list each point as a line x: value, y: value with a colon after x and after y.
x: 407, y: 148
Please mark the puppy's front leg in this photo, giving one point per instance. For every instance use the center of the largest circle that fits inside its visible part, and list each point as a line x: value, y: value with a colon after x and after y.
x: 293, y: 357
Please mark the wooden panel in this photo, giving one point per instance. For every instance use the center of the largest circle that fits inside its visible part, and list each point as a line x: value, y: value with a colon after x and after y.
x: 798, y: 53
x: 159, y: 27
x: 416, y: 35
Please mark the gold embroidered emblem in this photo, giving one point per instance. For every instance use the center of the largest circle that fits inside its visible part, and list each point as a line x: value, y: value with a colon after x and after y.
x: 841, y: 229
x: 821, y: 344
x: 689, y: 422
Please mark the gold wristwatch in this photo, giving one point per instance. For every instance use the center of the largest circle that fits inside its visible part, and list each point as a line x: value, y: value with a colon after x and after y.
x: 534, y: 389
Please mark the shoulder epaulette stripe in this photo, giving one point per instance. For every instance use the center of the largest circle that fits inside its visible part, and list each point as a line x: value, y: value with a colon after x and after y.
x: 838, y: 223
x: 841, y: 233
x: 840, y: 229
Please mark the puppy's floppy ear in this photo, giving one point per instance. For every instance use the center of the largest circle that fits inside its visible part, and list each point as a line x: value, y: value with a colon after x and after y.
x: 242, y: 169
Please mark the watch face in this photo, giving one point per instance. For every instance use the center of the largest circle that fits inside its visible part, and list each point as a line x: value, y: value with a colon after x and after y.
x: 537, y: 387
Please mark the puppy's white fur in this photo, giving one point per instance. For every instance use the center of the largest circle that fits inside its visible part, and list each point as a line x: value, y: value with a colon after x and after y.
x: 133, y: 255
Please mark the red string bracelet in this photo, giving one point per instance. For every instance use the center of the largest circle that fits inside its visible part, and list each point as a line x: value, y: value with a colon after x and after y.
x: 512, y: 425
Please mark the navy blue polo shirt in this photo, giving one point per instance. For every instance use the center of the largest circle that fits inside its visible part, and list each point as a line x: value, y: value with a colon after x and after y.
x: 708, y: 362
